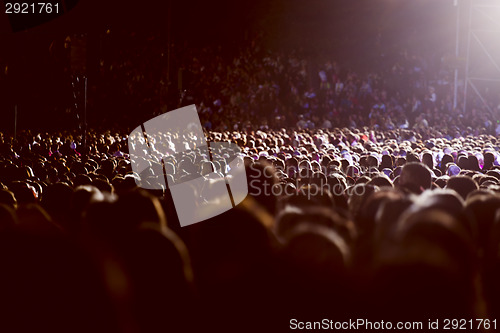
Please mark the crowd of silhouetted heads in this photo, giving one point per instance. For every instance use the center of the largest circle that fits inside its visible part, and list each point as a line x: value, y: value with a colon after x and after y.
x: 339, y: 224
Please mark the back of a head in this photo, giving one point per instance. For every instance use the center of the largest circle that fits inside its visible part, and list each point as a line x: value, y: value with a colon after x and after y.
x: 463, y: 185
x: 489, y: 160
x: 23, y: 193
x: 161, y: 276
x: 138, y: 206
x: 387, y: 162
x: 428, y: 160
x: 232, y: 254
x: 434, y: 226
x: 318, y: 254
x: 474, y: 163
x: 372, y: 161
x: 429, y: 269
x: 483, y: 208
x: 315, y: 263
x: 358, y: 194
x: 237, y: 234
x: 415, y: 177
x: 381, y: 181
x: 445, y: 199
x: 82, y: 197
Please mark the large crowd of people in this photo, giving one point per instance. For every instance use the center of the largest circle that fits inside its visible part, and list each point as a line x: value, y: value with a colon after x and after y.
x: 369, y: 196
x: 258, y: 87
x: 338, y: 224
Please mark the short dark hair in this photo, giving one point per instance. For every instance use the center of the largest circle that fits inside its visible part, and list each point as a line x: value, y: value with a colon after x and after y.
x: 415, y: 177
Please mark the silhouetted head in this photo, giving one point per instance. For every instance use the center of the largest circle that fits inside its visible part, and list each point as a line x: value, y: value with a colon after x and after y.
x: 463, y: 185
x: 415, y: 177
